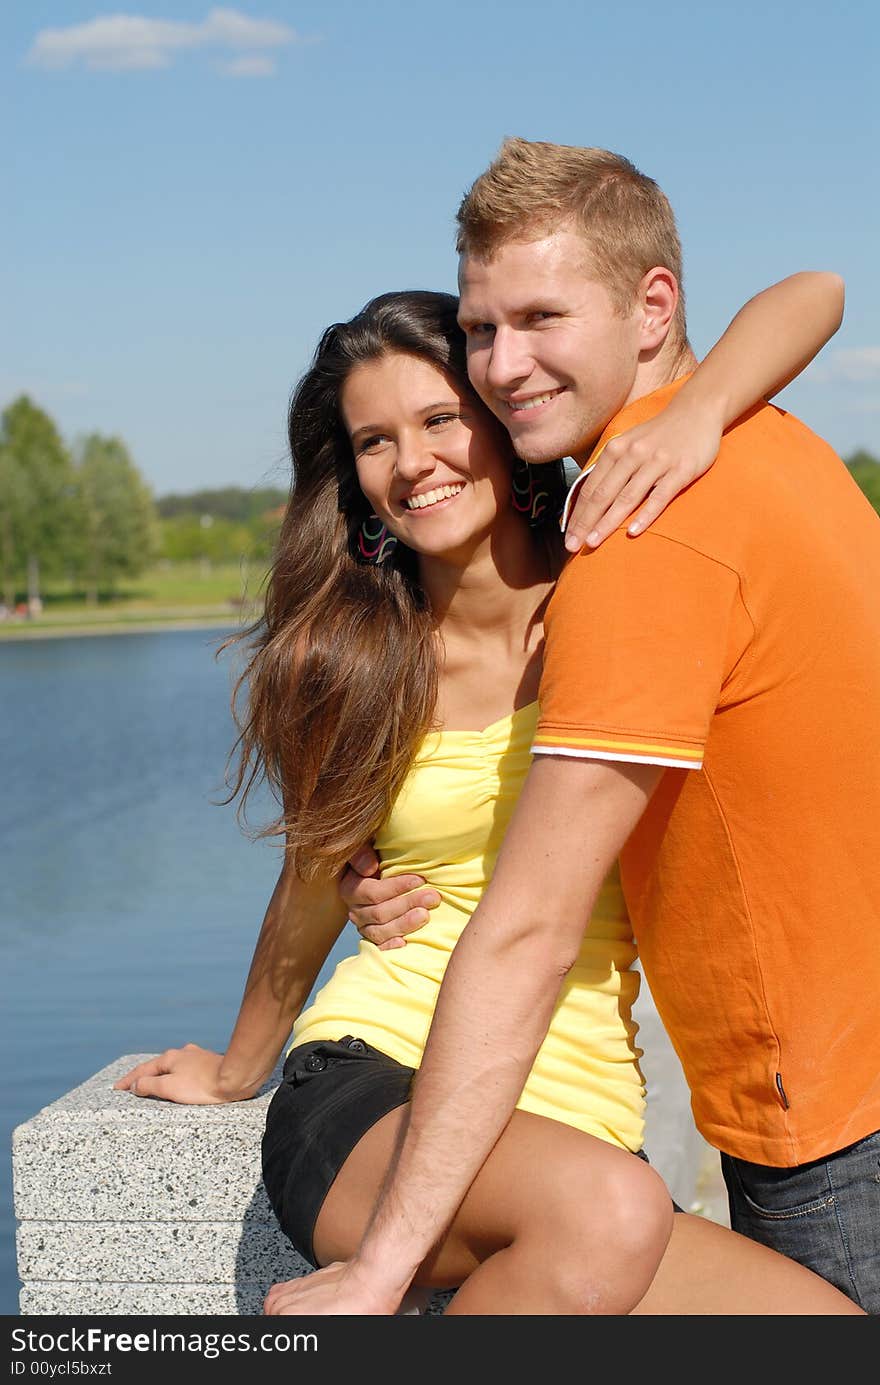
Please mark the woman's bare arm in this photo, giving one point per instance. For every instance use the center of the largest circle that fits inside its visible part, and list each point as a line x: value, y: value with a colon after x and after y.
x: 773, y: 337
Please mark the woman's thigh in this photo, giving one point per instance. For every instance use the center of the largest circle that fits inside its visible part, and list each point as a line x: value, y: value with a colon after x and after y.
x: 539, y: 1185
x: 548, y: 1187
x: 710, y: 1270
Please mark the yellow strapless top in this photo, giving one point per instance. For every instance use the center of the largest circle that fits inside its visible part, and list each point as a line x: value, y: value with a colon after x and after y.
x: 447, y: 825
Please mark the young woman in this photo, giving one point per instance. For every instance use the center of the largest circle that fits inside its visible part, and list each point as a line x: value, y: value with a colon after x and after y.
x: 391, y: 694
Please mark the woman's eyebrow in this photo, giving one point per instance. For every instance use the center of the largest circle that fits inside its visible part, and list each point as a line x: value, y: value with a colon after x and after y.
x: 451, y: 402
x: 366, y: 428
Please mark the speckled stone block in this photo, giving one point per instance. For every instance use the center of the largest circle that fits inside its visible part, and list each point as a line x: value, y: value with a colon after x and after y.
x: 101, y: 1155
x: 132, y: 1206
x: 98, y: 1299
x: 128, y: 1205
x: 164, y: 1253
x: 160, y: 1300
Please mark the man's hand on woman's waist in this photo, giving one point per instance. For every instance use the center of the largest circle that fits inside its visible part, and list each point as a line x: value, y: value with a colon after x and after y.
x: 384, y: 910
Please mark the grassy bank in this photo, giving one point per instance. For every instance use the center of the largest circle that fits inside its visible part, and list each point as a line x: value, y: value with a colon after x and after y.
x: 166, y: 595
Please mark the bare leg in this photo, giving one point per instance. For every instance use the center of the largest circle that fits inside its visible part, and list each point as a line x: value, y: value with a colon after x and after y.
x: 546, y: 1198
x: 710, y: 1270
x: 556, y: 1222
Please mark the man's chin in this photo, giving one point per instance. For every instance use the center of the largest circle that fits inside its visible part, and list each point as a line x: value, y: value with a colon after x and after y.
x: 537, y: 455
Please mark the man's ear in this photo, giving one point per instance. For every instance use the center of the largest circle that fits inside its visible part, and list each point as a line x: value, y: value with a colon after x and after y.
x: 657, y: 300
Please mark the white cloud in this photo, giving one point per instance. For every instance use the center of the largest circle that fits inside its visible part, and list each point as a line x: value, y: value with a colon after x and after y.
x: 860, y: 365
x: 120, y: 42
x: 248, y: 67
x: 240, y: 31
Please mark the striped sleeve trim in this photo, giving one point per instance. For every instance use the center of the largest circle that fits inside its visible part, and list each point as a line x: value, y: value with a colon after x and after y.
x: 633, y: 752
x: 573, y: 494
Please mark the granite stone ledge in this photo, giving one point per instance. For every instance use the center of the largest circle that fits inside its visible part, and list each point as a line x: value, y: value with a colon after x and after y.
x: 156, y: 1252
x: 97, y: 1299
x: 101, y: 1155
x: 128, y: 1205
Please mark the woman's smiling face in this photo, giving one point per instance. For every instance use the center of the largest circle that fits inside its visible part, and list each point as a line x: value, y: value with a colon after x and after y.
x: 431, y: 460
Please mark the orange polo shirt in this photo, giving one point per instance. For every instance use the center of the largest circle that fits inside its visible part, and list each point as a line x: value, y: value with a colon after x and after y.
x: 737, y: 642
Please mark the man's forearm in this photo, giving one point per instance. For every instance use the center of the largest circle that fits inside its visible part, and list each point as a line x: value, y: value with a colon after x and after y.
x: 494, y: 1010
x: 497, y: 999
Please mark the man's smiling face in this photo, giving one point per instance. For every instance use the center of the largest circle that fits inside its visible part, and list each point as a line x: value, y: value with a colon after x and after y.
x: 548, y: 350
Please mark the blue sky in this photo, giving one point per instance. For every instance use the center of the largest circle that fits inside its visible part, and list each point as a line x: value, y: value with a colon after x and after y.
x: 190, y: 195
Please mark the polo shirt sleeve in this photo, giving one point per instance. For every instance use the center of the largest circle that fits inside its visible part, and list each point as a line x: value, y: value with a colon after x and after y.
x: 640, y: 636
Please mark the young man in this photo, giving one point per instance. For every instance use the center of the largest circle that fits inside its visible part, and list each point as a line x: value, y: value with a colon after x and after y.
x: 709, y: 714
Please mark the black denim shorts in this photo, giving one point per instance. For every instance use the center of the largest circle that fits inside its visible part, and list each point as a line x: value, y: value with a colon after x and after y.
x: 330, y: 1095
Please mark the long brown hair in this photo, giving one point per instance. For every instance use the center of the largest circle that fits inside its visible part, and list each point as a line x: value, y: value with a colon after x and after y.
x: 340, y: 683
x: 341, y: 678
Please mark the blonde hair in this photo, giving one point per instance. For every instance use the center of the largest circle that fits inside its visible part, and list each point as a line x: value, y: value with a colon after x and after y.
x: 532, y: 187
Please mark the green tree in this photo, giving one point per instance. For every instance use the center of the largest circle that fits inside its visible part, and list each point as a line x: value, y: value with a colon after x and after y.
x: 865, y: 471
x: 13, y: 500
x: 36, y: 493
x: 117, y: 529
x: 207, y: 538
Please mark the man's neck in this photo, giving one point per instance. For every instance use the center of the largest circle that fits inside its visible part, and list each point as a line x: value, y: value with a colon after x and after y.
x: 671, y: 362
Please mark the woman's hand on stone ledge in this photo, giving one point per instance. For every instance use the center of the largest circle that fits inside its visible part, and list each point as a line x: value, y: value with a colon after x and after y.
x: 189, y: 1075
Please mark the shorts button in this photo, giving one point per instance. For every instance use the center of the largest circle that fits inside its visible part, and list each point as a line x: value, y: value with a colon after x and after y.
x: 357, y: 1046
x: 315, y: 1063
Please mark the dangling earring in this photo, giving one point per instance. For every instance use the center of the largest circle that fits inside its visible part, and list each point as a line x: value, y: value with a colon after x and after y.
x: 527, y: 495
x: 374, y: 542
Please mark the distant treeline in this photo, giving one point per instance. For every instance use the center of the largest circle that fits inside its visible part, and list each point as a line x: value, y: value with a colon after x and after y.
x: 232, y: 503
x: 864, y: 468
x: 220, y: 526
x: 84, y: 514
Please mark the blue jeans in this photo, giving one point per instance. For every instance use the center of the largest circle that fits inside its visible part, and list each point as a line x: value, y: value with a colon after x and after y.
x: 825, y: 1214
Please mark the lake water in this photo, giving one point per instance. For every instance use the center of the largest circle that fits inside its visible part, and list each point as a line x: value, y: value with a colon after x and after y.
x: 130, y: 900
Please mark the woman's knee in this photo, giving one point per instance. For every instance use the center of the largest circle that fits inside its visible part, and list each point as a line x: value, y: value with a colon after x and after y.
x: 639, y: 1209
x: 606, y: 1233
